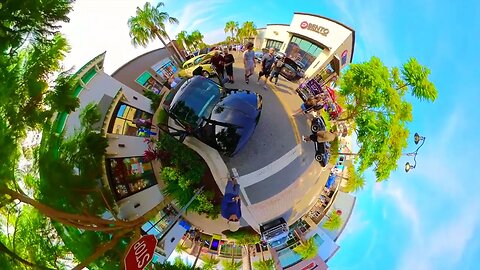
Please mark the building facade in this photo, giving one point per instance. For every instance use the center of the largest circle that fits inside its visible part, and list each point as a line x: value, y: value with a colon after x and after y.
x: 315, y: 42
x: 132, y: 179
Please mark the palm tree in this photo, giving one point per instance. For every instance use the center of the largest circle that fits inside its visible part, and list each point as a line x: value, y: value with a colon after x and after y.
x: 248, y: 30
x: 181, y: 39
x: 209, y: 262
x: 228, y: 265
x: 246, y: 241
x: 264, y: 265
x: 190, y: 42
x: 334, y: 221
x: 355, y: 181
x: 148, y: 24
x: 231, y: 27
x: 197, y: 38
x: 308, y: 249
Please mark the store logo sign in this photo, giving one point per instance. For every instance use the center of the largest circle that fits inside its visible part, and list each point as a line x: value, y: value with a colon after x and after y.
x: 315, y: 28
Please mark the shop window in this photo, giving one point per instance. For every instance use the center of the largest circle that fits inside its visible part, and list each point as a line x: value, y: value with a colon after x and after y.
x: 274, y: 44
x: 158, y: 224
x: 165, y: 69
x: 123, y: 121
x: 130, y: 175
x: 302, y: 51
x: 146, y: 80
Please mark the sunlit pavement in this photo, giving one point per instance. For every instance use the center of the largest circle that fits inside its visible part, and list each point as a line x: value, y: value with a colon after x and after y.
x: 278, y: 174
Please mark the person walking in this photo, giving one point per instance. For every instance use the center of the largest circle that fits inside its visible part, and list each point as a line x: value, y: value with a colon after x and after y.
x: 276, y: 68
x: 229, y: 60
x: 231, y: 205
x: 267, y: 62
x: 249, y: 61
x: 218, y: 62
x: 321, y: 136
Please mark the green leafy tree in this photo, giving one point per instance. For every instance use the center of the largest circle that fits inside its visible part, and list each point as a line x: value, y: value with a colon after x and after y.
x: 247, y: 31
x: 197, y: 38
x: 61, y: 187
x: 148, y: 24
x: 377, y: 104
x: 308, y: 249
x: 231, y: 265
x: 334, y: 222
x: 264, y: 265
x: 232, y: 27
x: 182, y: 38
x: 355, y: 181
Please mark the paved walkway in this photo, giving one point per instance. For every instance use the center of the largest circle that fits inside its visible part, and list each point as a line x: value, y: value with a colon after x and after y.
x: 278, y: 174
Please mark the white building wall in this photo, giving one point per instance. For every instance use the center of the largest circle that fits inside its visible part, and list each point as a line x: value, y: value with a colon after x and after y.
x: 259, y: 39
x: 328, y: 247
x: 337, y: 34
x: 133, y: 146
x: 140, y: 203
x: 276, y: 32
x: 102, y: 84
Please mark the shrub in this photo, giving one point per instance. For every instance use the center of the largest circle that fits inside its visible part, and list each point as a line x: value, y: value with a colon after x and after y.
x: 155, y: 98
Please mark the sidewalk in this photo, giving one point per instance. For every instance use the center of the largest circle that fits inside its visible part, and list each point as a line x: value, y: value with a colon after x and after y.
x: 292, y: 201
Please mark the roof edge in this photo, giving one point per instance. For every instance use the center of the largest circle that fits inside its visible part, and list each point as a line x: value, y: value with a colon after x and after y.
x: 141, y: 55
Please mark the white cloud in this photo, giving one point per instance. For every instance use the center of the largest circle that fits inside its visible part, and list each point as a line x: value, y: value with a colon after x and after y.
x: 445, y: 245
x: 368, y: 19
x: 98, y: 26
x: 356, y: 224
x: 405, y: 204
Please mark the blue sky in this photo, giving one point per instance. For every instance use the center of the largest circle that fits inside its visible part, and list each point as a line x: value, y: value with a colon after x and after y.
x: 426, y: 219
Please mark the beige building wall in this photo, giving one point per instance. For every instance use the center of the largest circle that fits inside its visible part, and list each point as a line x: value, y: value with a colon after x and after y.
x: 278, y: 32
x: 259, y: 39
x: 140, y: 203
x: 130, y: 71
x: 334, y: 37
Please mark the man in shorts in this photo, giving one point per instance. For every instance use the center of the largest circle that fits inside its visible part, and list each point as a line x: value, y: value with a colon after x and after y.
x: 267, y: 62
x: 231, y: 207
x: 276, y: 68
x: 249, y: 61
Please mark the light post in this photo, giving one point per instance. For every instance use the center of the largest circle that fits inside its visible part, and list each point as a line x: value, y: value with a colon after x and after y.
x: 417, y: 138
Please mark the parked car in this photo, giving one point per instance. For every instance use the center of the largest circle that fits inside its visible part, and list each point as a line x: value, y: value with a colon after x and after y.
x: 222, y: 118
x: 258, y: 56
x: 190, y: 65
x: 275, y: 232
x: 291, y: 70
x: 322, y: 149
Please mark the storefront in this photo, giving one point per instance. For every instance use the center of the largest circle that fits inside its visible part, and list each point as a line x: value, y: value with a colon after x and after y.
x: 129, y: 175
x: 319, y: 45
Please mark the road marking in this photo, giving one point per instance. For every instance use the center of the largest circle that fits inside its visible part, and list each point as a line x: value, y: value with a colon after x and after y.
x: 270, y: 169
x: 290, y: 117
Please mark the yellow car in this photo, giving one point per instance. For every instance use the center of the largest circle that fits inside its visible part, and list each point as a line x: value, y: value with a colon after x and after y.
x: 203, y: 60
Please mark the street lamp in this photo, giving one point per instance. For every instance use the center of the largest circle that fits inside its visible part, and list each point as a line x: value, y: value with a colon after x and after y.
x: 417, y: 138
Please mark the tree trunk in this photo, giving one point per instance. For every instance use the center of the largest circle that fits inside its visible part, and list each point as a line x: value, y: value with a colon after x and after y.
x: 175, y: 49
x: 348, y: 154
x: 101, y: 250
x: 232, y: 255
x: 172, y: 55
x: 249, y: 259
x: 4, y: 249
x: 198, y: 255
